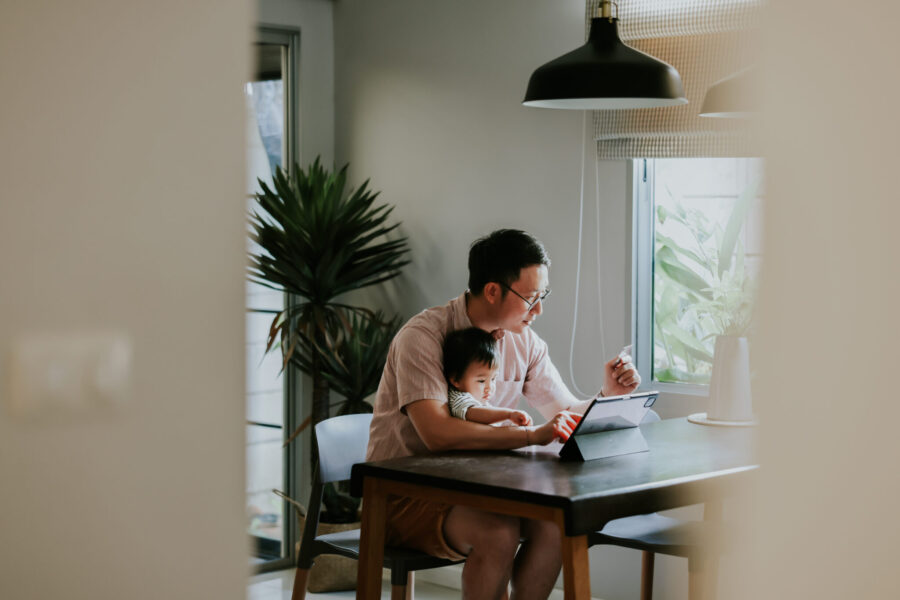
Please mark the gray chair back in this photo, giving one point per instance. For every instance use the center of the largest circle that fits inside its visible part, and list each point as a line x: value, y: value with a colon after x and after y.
x: 342, y: 442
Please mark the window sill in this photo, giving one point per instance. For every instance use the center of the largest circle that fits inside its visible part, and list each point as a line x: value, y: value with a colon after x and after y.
x: 678, y: 399
x: 678, y: 389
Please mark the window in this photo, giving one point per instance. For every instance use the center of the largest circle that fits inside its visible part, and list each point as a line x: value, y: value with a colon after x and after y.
x: 697, y: 257
x: 271, y: 142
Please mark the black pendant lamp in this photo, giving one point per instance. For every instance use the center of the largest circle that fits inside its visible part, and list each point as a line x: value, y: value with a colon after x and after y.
x: 604, y: 74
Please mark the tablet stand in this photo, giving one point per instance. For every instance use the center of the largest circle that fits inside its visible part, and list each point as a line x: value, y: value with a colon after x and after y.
x: 603, y: 444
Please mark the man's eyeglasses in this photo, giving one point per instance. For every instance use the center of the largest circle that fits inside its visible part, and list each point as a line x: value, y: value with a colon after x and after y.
x: 539, y: 298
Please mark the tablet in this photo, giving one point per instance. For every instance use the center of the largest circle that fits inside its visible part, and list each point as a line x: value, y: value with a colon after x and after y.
x: 610, y: 413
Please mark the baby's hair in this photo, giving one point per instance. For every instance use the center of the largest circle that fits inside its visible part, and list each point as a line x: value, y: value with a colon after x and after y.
x: 465, y: 346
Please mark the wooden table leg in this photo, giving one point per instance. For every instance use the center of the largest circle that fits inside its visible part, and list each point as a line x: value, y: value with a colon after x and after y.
x: 647, y: 560
x: 371, y: 541
x: 576, y: 568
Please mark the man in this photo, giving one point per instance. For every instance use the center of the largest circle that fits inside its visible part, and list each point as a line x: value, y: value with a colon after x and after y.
x: 508, y: 281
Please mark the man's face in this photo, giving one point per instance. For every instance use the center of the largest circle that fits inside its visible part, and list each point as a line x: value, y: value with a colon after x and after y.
x: 514, y: 312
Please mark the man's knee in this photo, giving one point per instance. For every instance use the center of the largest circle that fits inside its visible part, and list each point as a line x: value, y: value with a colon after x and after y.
x: 547, y: 533
x: 480, y: 530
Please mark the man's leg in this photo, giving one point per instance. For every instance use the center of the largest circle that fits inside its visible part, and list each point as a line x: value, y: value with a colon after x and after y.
x: 489, y: 540
x: 538, y: 562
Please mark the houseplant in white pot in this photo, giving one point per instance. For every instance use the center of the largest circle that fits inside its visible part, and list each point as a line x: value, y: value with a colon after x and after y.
x: 730, y: 311
x: 703, y: 300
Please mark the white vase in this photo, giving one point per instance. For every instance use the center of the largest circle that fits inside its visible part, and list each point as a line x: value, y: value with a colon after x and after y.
x: 729, y: 388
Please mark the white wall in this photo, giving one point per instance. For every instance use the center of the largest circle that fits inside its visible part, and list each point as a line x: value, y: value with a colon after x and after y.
x: 428, y: 105
x: 121, y: 156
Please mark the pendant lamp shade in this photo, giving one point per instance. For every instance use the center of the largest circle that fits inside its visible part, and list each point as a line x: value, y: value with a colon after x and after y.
x: 604, y: 74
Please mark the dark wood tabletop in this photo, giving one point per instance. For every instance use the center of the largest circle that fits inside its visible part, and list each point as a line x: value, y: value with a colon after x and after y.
x: 686, y: 464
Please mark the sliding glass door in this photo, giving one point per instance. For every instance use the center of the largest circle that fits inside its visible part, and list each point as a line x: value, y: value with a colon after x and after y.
x: 271, y: 101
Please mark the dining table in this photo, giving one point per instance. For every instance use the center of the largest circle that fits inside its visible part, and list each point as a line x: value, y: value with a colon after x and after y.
x: 686, y: 464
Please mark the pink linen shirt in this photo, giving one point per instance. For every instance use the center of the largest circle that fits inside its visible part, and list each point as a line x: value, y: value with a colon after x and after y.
x: 414, y: 371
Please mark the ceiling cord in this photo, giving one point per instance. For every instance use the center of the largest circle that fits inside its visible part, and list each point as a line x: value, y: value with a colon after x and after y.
x: 578, y: 261
x: 603, y: 353
x: 602, y: 336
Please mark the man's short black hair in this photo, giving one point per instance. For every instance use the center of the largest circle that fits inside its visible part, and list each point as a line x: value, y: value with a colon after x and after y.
x: 500, y: 257
x: 465, y: 346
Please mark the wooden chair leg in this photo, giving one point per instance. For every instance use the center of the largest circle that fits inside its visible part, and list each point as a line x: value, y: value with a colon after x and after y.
x: 411, y: 585
x: 398, y: 592
x: 647, y: 575
x: 300, y: 578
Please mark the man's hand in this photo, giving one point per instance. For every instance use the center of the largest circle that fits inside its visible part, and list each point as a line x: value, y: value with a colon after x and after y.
x: 620, y: 376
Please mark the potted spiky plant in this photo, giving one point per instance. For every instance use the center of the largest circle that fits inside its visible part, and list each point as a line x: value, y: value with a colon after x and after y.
x: 318, y: 241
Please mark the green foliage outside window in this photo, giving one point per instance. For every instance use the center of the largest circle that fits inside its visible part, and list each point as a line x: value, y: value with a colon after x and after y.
x: 701, y: 287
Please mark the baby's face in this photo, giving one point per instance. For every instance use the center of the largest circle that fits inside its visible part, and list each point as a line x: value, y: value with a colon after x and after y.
x: 478, y: 380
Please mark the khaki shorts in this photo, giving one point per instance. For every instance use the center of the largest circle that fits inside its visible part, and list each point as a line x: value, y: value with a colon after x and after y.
x: 419, y: 524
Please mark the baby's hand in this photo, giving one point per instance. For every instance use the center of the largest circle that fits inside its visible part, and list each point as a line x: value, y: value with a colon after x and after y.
x: 564, y: 424
x: 519, y: 417
x: 559, y: 427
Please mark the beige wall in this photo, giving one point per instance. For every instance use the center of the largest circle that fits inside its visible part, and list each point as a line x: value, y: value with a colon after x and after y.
x: 122, y: 209
x: 824, y: 522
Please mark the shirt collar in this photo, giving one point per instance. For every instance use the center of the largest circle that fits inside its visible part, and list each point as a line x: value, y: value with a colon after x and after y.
x: 460, y: 317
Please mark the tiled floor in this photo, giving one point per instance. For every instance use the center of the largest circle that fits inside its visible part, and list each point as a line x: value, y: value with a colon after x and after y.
x: 279, y: 585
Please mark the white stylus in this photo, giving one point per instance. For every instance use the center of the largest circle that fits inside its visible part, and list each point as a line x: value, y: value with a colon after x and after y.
x: 626, y: 351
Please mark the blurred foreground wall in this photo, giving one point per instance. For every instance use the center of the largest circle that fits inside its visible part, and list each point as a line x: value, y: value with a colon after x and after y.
x: 122, y: 247
x: 824, y: 522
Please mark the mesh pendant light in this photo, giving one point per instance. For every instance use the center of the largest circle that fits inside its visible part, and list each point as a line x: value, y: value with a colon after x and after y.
x: 734, y: 97
x: 604, y: 74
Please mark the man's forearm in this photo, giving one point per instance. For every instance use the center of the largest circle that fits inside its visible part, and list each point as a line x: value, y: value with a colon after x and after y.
x: 580, y: 406
x: 469, y: 435
x: 439, y: 431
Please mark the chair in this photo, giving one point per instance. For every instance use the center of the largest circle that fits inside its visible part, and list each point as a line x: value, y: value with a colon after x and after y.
x: 657, y: 534
x: 342, y: 442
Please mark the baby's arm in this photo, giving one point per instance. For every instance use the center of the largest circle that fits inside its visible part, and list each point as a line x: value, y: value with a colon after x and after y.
x: 465, y: 406
x: 492, y: 414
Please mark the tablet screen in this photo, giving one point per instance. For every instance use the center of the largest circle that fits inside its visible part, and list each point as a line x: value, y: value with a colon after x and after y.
x: 615, y: 412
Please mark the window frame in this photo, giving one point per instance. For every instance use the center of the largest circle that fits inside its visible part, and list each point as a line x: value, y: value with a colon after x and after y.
x: 296, y: 481
x: 641, y: 178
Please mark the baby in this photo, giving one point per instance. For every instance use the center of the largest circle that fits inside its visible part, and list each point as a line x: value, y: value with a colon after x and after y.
x: 470, y: 366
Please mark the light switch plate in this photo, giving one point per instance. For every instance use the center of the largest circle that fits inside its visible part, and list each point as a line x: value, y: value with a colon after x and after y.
x: 63, y: 373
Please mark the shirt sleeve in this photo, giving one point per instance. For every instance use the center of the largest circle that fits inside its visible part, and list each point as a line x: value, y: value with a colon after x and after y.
x: 460, y: 403
x: 418, y: 366
x: 544, y: 388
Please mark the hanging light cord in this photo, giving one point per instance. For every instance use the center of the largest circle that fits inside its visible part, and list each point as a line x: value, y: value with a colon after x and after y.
x: 603, y: 354
x: 578, y: 261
